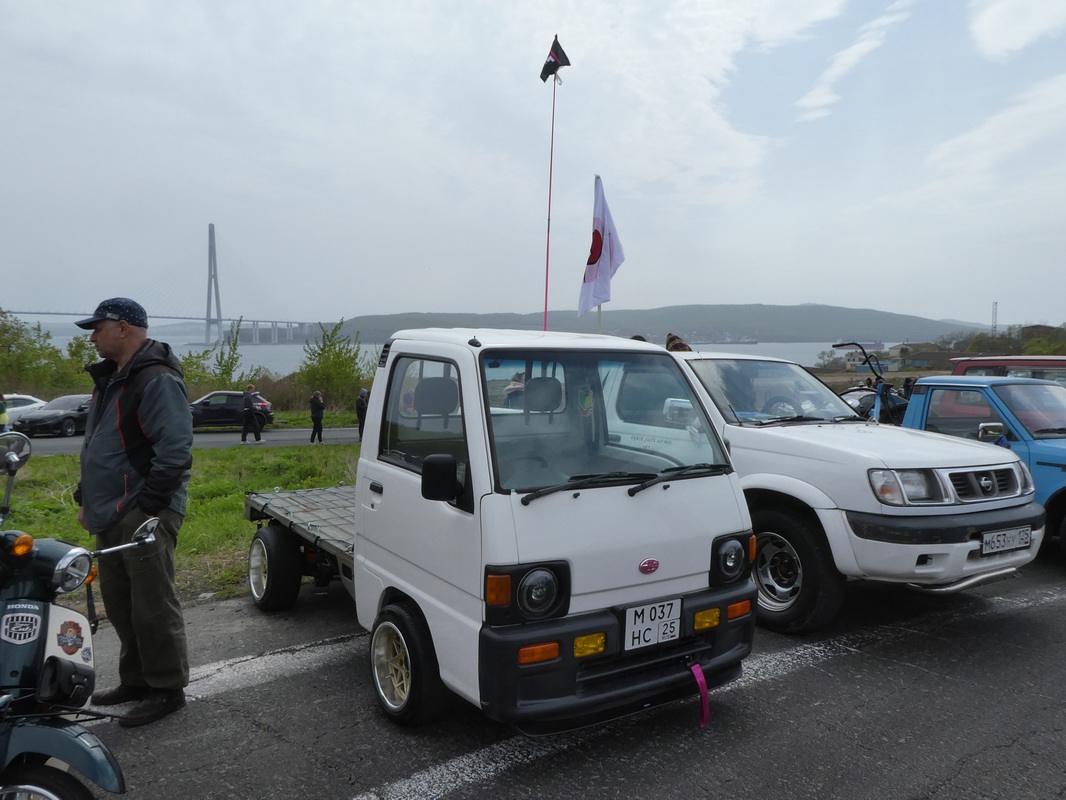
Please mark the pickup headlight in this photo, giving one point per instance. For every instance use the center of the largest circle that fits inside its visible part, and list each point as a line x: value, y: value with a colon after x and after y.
x: 72, y: 570
x: 1025, y: 481
x: 731, y: 559
x: 518, y: 593
x: 904, y: 487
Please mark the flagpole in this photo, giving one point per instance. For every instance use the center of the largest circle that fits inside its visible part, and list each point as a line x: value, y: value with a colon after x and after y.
x: 548, y: 235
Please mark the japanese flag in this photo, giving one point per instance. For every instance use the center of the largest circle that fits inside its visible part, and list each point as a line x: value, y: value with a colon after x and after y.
x: 605, y: 256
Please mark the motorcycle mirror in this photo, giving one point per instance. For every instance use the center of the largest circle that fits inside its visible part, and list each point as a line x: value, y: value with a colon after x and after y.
x: 145, y: 534
x: 14, y: 452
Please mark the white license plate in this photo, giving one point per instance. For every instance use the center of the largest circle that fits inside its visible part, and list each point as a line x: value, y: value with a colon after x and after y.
x: 1002, y: 541
x: 653, y: 623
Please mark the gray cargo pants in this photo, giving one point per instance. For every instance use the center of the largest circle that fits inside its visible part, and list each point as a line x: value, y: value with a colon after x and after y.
x: 141, y: 600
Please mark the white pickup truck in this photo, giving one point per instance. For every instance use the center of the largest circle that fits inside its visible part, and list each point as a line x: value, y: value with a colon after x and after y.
x: 507, y: 543
x: 833, y: 497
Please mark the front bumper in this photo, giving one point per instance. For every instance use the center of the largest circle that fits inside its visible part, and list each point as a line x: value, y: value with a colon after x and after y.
x: 570, y: 692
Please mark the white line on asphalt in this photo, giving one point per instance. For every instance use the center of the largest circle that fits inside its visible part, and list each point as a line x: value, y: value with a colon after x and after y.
x: 485, y: 764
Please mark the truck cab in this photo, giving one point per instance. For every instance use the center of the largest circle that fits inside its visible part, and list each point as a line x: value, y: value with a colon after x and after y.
x: 1025, y: 415
x: 513, y: 546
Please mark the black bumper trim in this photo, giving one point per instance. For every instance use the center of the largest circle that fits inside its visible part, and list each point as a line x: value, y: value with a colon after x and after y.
x: 943, y: 529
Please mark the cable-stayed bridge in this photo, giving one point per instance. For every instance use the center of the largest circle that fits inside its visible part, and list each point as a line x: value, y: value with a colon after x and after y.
x: 216, y: 326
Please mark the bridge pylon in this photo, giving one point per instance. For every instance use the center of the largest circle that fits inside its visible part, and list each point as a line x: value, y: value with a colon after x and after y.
x: 212, y: 285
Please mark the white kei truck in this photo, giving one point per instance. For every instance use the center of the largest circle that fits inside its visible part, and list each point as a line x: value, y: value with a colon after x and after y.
x: 834, y: 497
x: 506, y: 543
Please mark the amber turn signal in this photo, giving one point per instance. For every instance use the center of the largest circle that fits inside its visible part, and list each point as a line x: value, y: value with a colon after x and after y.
x: 535, y: 653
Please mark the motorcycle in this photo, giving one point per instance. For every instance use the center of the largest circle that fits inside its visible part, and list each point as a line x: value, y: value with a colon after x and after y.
x: 47, y: 670
x: 879, y: 402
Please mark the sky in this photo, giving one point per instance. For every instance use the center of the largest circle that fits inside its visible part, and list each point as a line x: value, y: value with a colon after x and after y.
x: 364, y: 157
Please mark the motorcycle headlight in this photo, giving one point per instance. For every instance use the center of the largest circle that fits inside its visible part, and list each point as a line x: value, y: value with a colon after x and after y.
x: 72, y: 570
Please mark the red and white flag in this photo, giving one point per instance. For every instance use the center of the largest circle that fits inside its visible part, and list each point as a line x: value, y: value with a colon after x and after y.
x: 605, y: 257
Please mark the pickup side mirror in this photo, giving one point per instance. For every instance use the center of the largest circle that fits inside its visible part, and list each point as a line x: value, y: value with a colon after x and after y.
x: 990, y: 431
x: 440, y: 477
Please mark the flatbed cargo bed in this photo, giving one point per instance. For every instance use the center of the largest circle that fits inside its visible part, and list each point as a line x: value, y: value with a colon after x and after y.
x: 324, y: 518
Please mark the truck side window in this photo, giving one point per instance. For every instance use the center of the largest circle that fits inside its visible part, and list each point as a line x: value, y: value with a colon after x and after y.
x: 423, y: 414
x: 959, y: 412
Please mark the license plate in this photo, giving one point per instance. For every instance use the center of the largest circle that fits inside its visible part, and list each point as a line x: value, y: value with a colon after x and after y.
x: 1002, y: 541
x: 653, y: 623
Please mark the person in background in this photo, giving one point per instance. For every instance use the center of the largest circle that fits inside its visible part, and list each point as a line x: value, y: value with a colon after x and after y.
x: 135, y: 464
x: 676, y: 344
x: 318, y: 408
x: 360, y: 410
x: 3, y: 415
x: 908, y: 384
x: 514, y: 393
x: 251, y: 419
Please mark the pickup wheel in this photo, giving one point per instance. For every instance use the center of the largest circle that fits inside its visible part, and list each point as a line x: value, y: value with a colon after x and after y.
x: 403, y: 667
x: 800, y: 589
x: 274, y: 571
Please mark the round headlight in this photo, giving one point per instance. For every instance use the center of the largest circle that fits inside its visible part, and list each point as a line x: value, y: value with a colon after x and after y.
x: 731, y: 559
x: 537, y: 592
x: 72, y: 570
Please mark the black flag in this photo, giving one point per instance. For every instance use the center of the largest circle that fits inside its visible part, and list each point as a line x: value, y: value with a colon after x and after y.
x: 556, y: 58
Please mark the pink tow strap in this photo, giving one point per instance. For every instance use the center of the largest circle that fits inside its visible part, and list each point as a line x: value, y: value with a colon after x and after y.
x: 705, y: 700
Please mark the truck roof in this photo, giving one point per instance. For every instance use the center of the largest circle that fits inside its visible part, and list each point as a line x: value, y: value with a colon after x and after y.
x: 479, y: 338
x: 976, y: 380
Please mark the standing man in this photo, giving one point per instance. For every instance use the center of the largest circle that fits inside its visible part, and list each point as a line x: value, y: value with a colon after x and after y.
x: 360, y: 410
x: 251, y: 419
x: 135, y: 464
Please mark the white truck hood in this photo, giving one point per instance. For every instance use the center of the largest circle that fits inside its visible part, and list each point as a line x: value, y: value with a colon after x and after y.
x: 864, y: 445
x: 606, y: 534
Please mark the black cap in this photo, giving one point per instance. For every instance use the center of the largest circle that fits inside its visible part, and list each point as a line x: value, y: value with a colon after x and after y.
x: 117, y: 308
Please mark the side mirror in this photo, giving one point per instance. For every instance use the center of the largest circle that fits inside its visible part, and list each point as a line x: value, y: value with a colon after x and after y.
x: 440, y: 477
x: 990, y: 431
x: 14, y: 452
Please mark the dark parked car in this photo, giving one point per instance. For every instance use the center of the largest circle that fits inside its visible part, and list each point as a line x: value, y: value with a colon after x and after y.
x: 64, y: 416
x: 227, y: 408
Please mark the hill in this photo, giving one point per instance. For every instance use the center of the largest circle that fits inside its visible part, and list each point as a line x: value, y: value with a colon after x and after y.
x: 695, y: 323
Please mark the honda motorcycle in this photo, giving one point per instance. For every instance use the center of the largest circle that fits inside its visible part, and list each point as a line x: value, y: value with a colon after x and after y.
x: 47, y: 670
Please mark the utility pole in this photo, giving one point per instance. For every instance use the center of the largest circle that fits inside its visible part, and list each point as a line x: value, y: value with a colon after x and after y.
x: 212, y: 283
x: 994, y: 309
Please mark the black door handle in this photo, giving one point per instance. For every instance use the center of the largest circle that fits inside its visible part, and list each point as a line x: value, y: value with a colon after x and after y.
x: 376, y: 487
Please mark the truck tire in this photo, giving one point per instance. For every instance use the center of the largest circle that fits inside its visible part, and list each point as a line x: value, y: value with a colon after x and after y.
x: 274, y: 570
x: 800, y: 589
x: 38, y: 782
x: 404, y: 669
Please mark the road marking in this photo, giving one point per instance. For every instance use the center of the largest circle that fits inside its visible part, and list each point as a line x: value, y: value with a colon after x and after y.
x: 487, y: 763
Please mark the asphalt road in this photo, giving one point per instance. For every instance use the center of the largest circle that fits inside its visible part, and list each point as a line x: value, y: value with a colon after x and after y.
x: 280, y: 436
x: 907, y: 696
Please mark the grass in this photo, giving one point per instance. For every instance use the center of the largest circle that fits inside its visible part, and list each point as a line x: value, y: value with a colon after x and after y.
x: 213, y: 542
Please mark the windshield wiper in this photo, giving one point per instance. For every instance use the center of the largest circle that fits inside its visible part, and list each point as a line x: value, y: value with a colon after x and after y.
x: 796, y: 418
x: 581, y: 481
x: 674, y: 472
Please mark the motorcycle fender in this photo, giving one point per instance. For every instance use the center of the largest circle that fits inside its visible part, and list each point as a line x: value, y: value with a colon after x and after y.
x: 69, y: 636
x: 68, y: 742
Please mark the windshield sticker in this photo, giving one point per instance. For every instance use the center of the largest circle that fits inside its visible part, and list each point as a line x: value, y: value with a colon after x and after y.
x: 585, y: 402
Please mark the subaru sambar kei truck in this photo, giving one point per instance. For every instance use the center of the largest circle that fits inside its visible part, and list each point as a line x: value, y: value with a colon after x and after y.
x: 504, y: 542
x: 833, y: 497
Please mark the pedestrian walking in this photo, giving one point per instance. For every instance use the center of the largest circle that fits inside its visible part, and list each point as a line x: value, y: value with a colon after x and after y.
x: 251, y: 419
x: 360, y: 410
x: 3, y: 415
x: 135, y: 464
x: 318, y: 407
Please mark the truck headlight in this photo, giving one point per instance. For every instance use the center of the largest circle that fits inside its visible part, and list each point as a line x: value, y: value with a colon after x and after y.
x: 729, y: 561
x: 902, y: 487
x: 1025, y: 480
x: 72, y: 570
x: 537, y: 592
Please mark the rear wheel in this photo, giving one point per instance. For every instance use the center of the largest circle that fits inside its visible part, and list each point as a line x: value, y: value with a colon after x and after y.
x: 800, y: 589
x: 404, y: 669
x: 38, y: 782
x: 67, y: 427
x: 274, y: 569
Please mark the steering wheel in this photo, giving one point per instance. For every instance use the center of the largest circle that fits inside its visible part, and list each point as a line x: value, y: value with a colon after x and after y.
x: 781, y: 406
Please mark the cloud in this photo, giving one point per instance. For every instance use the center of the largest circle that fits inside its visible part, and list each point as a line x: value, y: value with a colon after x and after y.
x: 1001, y: 28
x: 819, y: 99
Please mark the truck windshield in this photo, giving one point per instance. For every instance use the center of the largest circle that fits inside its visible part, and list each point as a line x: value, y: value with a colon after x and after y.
x: 766, y: 392
x: 1039, y: 407
x: 602, y: 417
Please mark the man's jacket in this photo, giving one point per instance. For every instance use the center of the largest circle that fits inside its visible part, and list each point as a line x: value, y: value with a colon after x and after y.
x: 138, y: 438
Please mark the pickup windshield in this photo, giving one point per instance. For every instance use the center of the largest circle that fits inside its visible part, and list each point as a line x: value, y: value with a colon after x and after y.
x: 1039, y: 407
x: 755, y: 392
x: 589, y: 419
